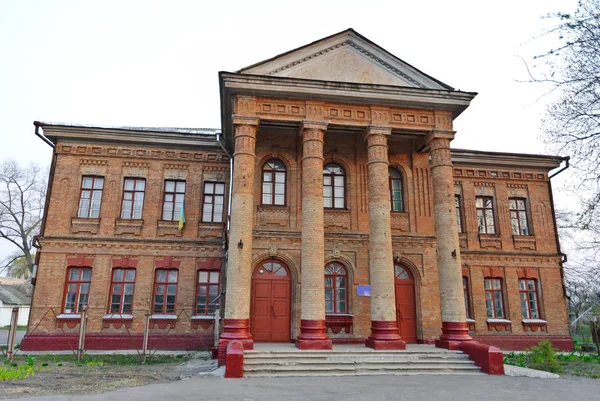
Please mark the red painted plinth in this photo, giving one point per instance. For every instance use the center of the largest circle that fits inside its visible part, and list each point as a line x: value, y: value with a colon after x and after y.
x: 234, y: 329
x: 234, y: 365
x: 453, y: 333
x: 313, y: 335
x: 488, y: 358
x: 384, y: 335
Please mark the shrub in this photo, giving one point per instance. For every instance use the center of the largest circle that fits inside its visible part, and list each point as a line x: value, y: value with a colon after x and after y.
x: 543, y: 357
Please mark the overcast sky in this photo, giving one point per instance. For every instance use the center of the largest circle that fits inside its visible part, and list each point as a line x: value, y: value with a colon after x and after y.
x: 155, y: 63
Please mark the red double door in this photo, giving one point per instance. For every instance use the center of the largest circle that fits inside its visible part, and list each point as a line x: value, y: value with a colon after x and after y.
x: 405, y: 305
x: 270, y: 308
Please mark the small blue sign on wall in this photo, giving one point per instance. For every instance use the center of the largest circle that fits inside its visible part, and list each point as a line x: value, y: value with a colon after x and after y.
x: 364, y: 290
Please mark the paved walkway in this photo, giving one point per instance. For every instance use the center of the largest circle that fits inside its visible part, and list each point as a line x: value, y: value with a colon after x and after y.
x: 363, y: 388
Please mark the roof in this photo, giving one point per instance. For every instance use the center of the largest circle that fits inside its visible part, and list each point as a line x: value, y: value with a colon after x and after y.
x: 505, y: 159
x: 9, y: 295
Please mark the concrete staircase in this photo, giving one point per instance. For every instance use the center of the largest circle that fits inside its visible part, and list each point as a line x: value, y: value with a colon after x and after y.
x: 421, y: 361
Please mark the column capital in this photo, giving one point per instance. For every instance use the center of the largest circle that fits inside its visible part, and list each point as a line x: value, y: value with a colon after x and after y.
x: 377, y: 130
x: 439, y: 134
x: 314, y: 125
x: 246, y: 120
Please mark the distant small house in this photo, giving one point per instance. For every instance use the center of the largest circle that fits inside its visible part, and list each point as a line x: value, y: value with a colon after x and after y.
x: 11, y: 297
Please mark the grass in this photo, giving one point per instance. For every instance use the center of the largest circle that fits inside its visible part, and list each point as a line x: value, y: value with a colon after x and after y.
x: 19, y: 328
x: 100, y: 360
x: 576, y: 363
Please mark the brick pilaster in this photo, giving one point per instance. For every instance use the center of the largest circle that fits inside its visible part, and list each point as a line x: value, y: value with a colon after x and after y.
x: 313, y: 333
x: 384, y: 329
x: 454, y: 320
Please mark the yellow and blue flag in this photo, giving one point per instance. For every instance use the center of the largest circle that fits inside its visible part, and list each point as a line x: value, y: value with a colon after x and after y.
x: 182, y: 215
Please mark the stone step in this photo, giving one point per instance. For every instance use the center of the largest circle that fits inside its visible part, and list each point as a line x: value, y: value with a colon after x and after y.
x: 352, y: 361
x: 288, y: 365
x: 354, y: 357
x: 365, y: 351
x: 436, y: 372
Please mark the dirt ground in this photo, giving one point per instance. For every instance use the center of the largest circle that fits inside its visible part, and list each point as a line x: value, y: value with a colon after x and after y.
x: 67, y: 378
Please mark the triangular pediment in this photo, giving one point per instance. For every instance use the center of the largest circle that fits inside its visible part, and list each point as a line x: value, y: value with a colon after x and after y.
x: 345, y: 57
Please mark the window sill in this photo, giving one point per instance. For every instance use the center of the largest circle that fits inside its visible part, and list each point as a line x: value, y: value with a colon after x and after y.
x: 338, y: 322
x: 117, y: 320
x: 70, y: 319
x: 535, y: 325
x: 524, y: 242
x: 490, y: 241
x: 69, y: 316
x: 204, y: 321
x: 203, y: 317
x: 85, y: 225
x: 471, y: 324
x: 128, y: 226
x: 168, y: 228
x: 162, y: 321
x: 499, y: 324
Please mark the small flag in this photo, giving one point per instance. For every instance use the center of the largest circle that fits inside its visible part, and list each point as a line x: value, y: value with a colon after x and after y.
x: 182, y: 215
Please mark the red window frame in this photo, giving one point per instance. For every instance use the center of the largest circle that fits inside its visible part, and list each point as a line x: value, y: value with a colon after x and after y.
x: 457, y: 206
x: 332, y: 176
x: 467, y: 297
x: 77, y: 282
x: 210, y: 200
x: 519, y: 220
x: 399, y: 190
x: 122, y: 282
x: 161, y: 289
x: 177, y: 198
x: 488, y: 221
x: 527, y: 311
x: 333, y: 287
x: 273, y: 172
x: 136, y: 197
x: 491, y: 294
x: 89, y: 193
x: 208, y: 283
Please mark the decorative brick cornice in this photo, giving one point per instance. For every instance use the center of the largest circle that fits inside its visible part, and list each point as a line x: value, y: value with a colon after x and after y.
x: 209, y: 264
x: 80, y: 261
x: 167, y: 263
x: 124, y: 262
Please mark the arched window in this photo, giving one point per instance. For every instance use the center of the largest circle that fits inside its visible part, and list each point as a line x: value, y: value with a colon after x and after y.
x: 336, y: 285
x: 273, y: 183
x: 334, y: 187
x: 401, y: 273
x: 396, y: 201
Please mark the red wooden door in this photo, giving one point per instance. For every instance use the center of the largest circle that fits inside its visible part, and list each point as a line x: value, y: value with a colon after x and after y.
x: 270, y: 307
x: 405, y: 305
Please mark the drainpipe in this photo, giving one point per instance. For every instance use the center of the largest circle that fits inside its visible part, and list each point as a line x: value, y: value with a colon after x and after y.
x: 563, y: 259
x: 226, y: 240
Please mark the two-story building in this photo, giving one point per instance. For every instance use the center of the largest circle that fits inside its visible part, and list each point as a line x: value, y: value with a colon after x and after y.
x: 350, y: 219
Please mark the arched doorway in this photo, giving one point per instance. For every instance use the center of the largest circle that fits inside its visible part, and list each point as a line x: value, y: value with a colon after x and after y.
x: 405, y: 304
x: 270, y: 307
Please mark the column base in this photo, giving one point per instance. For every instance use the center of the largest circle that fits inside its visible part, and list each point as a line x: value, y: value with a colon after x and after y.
x: 453, y: 333
x: 234, y: 329
x: 313, y: 335
x: 384, y: 336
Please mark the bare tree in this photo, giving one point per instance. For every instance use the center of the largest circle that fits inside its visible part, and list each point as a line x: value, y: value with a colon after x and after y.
x: 22, y: 196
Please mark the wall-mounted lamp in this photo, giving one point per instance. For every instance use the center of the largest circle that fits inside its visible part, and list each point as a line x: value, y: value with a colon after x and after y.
x: 397, y: 259
x: 454, y: 253
x: 240, y: 244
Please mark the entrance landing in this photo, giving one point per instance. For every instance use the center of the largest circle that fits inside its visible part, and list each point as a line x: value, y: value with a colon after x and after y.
x: 347, y: 348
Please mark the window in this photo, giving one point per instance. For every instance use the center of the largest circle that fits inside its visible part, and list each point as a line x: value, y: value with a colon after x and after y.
x: 77, y: 289
x: 273, y: 183
x: 458, y: 213
x: 396, y: 201
x: 165, y: 291
x: 485, y: 214
x: 336, y: 294
x: 90, y: 197
x: 207, y: 291
x: 518, y: 216
x: 214, y: 199
x: 529, y: 299
x: 173, y: 199
x: 467, y: 299
x: 494, y: 303
x: 334, y: 187
x: 133, y: 198
x: 121, y: 291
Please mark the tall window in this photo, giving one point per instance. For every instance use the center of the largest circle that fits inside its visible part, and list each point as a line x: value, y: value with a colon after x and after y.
x: 467, y: 299
x: 396, y: 201
x: 485, y: 214
x: 133, y: 198
x: 165, y: 291
x: 207, y: 291
x: 173, y: 199
x: 494, y: 302
x: 334, y: 187
x: 121, y: 291
x: 518, y: 216
x: 214, y: 198
x: 529, y: 299
x: 458, y: 213
x: 77, y: 289
x: 90, y: 197
x: 336, y: 294
x: 273, y: 183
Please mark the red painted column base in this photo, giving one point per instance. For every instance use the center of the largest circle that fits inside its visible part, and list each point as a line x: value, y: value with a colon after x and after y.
x: 234, y: 361
x: 384, y: 336
x: 453, y: 333
x: 234, y: 329
x: 313, y: 335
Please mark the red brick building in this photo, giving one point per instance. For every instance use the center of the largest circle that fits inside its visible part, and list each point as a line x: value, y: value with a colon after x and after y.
x: 350, y: 219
